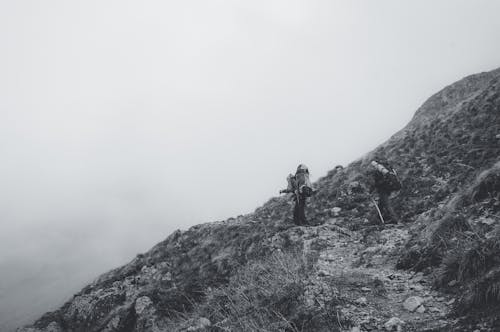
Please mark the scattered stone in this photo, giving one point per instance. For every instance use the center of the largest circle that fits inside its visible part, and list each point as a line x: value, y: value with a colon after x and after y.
x: 421, y: 309
x: 332, y: 221
x: 412, y: 303
x: 200, y: 324
x: 370, y: 327
x: 356, y: 329
x: 450, y: 302
x: 362, y: 301
x: 370, y: 250
x: 394, y: 324
x: 418, y: 277
x: 440, y: 299
x: 336, y: 210
x: 452, y: 283
x: 366, y: 289
x: 417, y: 288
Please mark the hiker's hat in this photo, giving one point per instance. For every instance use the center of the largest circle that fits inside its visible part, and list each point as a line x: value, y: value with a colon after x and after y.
x: 302, y: 169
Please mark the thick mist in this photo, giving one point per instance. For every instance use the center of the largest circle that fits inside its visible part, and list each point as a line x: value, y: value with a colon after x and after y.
x: 121, y: 121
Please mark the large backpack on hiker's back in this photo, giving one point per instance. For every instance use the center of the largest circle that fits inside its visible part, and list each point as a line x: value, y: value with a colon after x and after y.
x: 390, y: 180
x: 304, y: 184
x: 292, y: 184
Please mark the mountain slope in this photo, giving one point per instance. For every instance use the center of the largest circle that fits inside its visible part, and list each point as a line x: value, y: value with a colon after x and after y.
x: 259, y: 272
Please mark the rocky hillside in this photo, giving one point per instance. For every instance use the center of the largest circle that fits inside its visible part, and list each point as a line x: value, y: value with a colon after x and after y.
x: 438, y: 270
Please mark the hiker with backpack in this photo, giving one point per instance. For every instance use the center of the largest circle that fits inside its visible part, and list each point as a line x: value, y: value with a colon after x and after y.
x: 300, y: 185
x: 385, y: 181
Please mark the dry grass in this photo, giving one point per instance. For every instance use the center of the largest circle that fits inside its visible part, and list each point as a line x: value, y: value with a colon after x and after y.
x: 270, y: 295
x: 487, y: 183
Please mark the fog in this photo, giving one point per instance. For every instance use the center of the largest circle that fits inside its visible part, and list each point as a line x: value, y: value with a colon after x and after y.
x: 121, y: 121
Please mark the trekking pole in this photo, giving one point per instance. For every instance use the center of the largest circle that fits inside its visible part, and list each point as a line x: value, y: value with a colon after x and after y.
x: 378, y: 210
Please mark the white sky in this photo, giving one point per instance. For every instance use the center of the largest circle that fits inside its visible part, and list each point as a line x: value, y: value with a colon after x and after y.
x: 121, y: 121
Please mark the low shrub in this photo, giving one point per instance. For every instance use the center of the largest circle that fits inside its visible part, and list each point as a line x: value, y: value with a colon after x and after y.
x: 435, y: 243
x: 487, y: 184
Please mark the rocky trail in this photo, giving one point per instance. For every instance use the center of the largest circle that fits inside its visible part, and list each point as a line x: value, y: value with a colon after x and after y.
x: 376, y: 296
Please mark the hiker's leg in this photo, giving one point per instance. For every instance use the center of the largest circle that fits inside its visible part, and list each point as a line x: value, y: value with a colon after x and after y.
x: 390, y: 211
x: 383, y: 199
x: 386, y: 208
x: 296, y: 212
x: 302, y: 211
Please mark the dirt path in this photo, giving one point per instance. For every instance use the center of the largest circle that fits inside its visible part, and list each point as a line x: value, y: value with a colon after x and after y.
x: 373, y: 291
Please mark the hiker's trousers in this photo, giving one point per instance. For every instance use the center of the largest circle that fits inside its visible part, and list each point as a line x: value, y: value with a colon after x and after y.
x: 299, y: 211
x: 386, y: 208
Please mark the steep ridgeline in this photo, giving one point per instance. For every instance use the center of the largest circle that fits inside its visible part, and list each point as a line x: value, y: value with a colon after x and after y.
x: 438, y: 270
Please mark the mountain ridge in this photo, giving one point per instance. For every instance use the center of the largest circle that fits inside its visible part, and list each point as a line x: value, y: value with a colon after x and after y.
x: 445, y: 155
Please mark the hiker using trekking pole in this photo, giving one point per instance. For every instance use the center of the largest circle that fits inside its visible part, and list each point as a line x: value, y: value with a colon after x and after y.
x: 385, y: 181
x: 300, y: 185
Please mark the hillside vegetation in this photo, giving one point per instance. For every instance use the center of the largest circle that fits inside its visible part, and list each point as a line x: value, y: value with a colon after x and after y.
x: 438, y: 270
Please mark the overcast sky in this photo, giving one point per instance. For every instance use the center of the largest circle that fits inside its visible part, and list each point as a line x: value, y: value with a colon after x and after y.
x: 121, y: 121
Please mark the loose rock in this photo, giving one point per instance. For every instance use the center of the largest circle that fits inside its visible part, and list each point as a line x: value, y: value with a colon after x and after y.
x: 421, y: 309
x: 362, y: 301
x: 394, y: 324
x: 412, y: 303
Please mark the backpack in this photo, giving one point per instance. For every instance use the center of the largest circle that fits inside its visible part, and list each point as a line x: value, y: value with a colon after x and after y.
x: 291, y: 183
x: 304, y: 184
x: 389, y: 180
